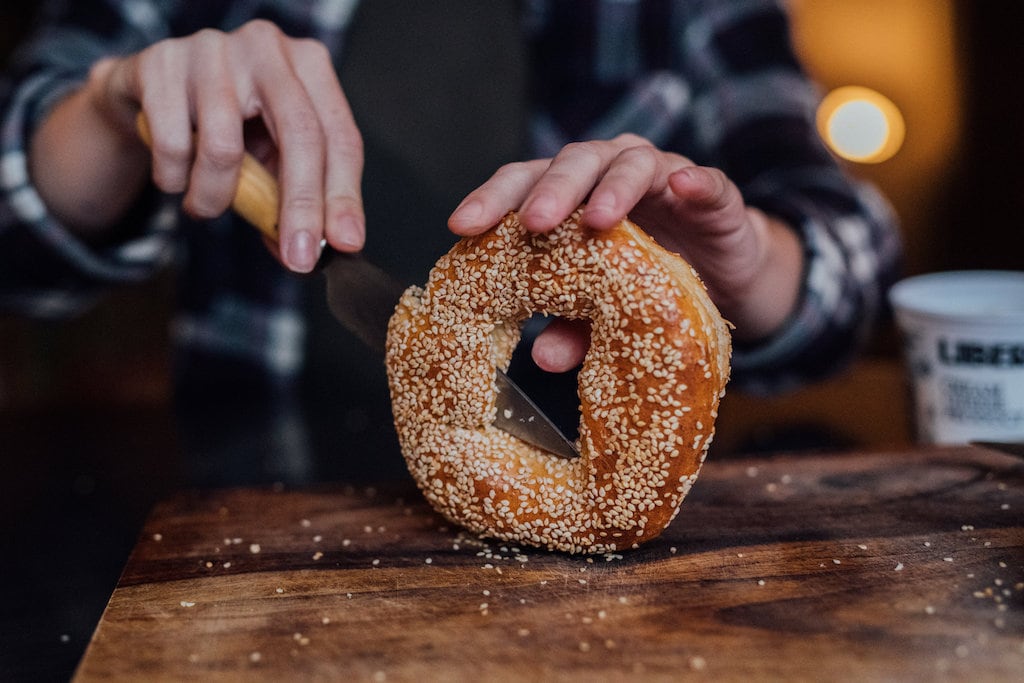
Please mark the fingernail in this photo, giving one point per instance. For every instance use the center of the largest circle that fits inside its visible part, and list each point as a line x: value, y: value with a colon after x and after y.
x: 602, y: 203
x: 539, y: 214
x: 541, y: 207
x: 468, y: 212
x: 350, y: 233
x: 302, y: 252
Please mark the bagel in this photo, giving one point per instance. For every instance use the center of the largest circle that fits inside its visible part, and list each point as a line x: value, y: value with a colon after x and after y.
x: 649, y: 387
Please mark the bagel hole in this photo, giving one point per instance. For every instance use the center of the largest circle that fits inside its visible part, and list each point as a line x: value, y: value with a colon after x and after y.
x: 555, y: 393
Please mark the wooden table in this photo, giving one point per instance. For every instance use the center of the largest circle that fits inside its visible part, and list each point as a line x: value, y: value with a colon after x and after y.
x: 871, y: 566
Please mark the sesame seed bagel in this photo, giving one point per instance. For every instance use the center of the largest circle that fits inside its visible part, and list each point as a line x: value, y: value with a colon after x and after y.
x: 649, y: 386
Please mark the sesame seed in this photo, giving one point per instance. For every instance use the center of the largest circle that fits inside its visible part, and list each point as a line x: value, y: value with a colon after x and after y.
x: 646, y: 307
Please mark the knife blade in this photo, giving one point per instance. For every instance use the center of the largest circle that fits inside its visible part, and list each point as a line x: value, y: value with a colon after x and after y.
x: 362, y: 297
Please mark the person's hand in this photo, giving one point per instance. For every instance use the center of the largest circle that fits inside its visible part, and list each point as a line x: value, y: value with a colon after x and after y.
x: 750, y: 263
x: 209, y: 96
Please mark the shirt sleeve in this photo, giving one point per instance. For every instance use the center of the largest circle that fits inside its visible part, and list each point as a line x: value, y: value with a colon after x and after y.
x: 718, y: 82
x: 46, y: 270
x: 754, y: 117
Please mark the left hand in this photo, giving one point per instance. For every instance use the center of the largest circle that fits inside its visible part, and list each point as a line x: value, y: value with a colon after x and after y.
x: 750, y: 263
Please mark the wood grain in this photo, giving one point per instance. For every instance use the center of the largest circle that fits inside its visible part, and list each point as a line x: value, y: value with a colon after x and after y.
x: 876, y: 566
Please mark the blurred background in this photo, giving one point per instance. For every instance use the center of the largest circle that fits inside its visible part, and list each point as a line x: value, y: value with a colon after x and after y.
x: 949, y: 69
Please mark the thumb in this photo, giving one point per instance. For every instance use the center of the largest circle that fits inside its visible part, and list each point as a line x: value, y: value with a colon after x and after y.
x: 562, y: 345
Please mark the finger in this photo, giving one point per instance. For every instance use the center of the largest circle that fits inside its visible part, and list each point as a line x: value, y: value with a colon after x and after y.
x: 158, y: 74
x: 344, y: 220
x: 708, y: 197
x: 501, y: 193
x: 564, y: 185
x: 117, y: 93
x: 634, y: 173
x: 562, y: 345
x: 219, y: 141
x: 292, y: 121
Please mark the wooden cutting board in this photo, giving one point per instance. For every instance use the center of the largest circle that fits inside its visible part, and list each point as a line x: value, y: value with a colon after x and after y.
x: 878, y: 566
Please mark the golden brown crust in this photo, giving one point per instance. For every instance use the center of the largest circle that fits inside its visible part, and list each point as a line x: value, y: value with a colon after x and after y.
x: 649, y: 386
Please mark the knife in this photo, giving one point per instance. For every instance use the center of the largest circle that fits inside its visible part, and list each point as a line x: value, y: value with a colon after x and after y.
x: 362, y: 297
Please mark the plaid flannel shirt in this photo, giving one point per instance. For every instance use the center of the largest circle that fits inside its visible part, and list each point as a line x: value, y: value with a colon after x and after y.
x: 715, y: 81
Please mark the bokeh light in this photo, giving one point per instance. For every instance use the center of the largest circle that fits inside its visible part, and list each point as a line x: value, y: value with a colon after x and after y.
x: 860, y: 124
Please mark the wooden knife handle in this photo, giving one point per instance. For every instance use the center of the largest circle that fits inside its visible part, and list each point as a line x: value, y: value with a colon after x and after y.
x: 257, y: 197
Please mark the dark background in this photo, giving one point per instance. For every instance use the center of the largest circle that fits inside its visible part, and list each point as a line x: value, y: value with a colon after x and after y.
x: 73, y: 494
x: 985, y: 208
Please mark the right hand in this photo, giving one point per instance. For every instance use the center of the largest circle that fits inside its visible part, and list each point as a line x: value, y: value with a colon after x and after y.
x: 210, y: 96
